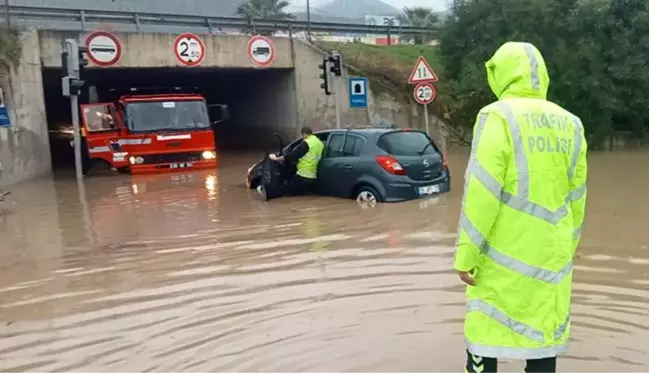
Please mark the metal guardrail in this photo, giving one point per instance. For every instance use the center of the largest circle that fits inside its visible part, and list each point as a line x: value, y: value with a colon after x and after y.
x: 81, y: 19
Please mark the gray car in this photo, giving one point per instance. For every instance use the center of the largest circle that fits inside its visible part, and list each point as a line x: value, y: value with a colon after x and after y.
x: 375, y: 165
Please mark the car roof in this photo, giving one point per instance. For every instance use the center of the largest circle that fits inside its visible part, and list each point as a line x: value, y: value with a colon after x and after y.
x: 366, y: 131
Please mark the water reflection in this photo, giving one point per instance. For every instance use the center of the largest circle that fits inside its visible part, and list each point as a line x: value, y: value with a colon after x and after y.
x: 192, y: 272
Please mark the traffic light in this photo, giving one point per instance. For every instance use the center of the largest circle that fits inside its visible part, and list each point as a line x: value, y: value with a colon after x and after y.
x: 336, y: 62
x: 325, y: 77
x: 71, y: 86
x: 83, y: 61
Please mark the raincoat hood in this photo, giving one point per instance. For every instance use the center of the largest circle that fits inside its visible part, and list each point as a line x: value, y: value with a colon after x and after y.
x: 518, y: 70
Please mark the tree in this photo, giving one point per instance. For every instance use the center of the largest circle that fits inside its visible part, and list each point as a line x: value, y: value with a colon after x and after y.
x: 263, y: 10
x: 595, y: 52
x: 419, y: 17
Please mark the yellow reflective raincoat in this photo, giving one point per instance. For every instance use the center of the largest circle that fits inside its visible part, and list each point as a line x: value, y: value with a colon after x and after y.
x: 522, y: 213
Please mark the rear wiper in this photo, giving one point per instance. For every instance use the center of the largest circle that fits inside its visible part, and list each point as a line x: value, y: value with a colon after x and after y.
x: 425, y: 147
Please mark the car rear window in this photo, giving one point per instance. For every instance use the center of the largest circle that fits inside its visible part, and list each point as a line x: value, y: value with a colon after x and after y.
x: 406, y: 143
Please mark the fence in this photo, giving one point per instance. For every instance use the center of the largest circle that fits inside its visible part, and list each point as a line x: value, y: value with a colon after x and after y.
x: 79, y: 20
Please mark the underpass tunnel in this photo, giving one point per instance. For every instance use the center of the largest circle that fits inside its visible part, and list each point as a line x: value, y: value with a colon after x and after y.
x: 260, y: 102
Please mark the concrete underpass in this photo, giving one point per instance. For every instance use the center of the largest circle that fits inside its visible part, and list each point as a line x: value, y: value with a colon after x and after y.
x: 260, y: 102
x: 279, y: 98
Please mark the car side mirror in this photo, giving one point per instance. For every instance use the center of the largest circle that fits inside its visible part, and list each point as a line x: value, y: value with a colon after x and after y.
x: 218, y: 113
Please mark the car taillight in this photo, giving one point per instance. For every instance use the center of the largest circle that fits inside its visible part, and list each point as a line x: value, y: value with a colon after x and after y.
x: 390, y: 164
x: 444, y: 162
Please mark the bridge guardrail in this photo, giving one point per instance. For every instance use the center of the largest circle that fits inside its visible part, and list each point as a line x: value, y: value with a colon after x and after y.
x: 82, y: 19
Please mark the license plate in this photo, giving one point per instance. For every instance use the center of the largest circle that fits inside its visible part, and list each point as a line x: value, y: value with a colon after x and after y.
x: 428, y: 190
x: 181, y: 165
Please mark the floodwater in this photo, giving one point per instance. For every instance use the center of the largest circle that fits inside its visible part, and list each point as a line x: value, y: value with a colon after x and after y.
x: 191, y: 272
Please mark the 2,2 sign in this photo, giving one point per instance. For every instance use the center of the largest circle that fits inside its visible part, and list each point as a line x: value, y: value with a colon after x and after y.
x: 189, y: 49
x: 424, y: 93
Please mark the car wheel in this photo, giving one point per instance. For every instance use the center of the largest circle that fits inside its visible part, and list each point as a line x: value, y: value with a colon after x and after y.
x: 367, y: 197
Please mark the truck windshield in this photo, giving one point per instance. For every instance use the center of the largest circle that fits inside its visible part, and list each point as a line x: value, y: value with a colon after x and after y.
x: 167, y: 115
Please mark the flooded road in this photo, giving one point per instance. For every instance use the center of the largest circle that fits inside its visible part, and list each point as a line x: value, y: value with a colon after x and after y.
x: 191, y: 272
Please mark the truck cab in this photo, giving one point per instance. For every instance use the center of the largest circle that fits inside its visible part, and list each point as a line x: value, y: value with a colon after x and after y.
x: 151, y: 133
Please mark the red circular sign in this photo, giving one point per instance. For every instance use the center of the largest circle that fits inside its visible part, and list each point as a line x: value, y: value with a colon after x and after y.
x: 261, y: 51
x: 104, y: 49
x: 424, y: 93
x: 189, y: 49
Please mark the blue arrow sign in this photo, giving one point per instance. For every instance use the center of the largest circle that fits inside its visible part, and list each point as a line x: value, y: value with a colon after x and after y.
x: 358, y: 92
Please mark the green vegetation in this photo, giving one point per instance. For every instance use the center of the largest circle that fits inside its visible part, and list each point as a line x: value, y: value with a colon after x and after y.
x: 596, y: 52
x: 9, y: 47
x: 392, y: 63
x: 263, y: 9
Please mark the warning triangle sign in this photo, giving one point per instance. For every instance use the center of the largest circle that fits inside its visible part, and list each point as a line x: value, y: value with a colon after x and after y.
x: 422, y: 72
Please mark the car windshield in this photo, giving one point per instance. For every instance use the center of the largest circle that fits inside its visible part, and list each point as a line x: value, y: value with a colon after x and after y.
x: 166, y: 115
x: 406, y: 143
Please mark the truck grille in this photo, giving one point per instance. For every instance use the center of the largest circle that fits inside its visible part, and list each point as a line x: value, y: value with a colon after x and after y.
x: 172, y: 157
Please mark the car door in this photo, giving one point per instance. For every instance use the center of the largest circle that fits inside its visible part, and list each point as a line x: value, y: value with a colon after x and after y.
x: 338, y: 169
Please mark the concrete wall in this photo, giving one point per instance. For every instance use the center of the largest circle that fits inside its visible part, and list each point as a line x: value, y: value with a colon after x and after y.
x: 156, y: 50
x: 24, y: 147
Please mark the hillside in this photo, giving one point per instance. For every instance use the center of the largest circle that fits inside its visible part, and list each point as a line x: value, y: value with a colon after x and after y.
x: 390, y: 63
x: 390, y: 66
x: 358, y: 8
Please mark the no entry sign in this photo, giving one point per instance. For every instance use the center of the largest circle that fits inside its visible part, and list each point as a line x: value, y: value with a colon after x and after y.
x: 104, y: 49
x: 189, y: 49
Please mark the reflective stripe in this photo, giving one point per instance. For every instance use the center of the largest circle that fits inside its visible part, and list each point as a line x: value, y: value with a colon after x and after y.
x: 577, y: 232
x: 478, y: 305
x: 577, y: 149
x: 541, y: 274
x: 513, y: 201
x: 523, y: 172
x: 522, y: 353
x: 558, y: 334
x: 577, y: 194
x: 534, y: 65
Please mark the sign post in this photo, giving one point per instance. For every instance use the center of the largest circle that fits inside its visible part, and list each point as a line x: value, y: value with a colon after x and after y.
x: 71, y: 85
x: 423, y: 75
x: 425, y: 94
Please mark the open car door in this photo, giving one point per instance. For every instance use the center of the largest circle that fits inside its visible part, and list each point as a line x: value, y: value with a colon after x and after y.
x: 102, y: 130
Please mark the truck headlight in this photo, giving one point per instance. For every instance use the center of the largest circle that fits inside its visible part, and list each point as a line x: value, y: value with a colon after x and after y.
x: 136, y: 160
x: 208, y: 154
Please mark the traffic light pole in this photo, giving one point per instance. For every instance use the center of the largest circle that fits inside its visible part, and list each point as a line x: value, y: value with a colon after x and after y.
x: 337, y: 95
x: 71, y: 85
x: 332, y: 65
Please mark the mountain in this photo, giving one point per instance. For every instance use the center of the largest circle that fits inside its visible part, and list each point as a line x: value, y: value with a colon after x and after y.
x: 356, y: 9
x: 214, y: 8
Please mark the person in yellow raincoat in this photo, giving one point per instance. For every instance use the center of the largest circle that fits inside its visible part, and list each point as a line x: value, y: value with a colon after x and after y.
x: 521, y: 218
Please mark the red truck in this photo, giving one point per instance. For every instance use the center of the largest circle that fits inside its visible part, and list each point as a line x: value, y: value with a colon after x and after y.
x: 150, y: 133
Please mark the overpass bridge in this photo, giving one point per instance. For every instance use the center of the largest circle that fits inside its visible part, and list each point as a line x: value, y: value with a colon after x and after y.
x: 277, y: 97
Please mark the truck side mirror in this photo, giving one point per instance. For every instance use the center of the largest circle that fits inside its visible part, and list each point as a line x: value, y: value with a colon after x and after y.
x: 218, y: 113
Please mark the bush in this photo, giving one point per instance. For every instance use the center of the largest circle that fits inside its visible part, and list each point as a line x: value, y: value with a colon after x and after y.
x: 10, y: 48
x: 595, y: 52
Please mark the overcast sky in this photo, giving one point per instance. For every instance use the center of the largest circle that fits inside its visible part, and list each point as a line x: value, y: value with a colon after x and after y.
x: 435, y: 4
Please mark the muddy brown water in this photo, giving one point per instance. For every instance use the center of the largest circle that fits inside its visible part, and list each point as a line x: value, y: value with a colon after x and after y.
x: 191, y: 272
